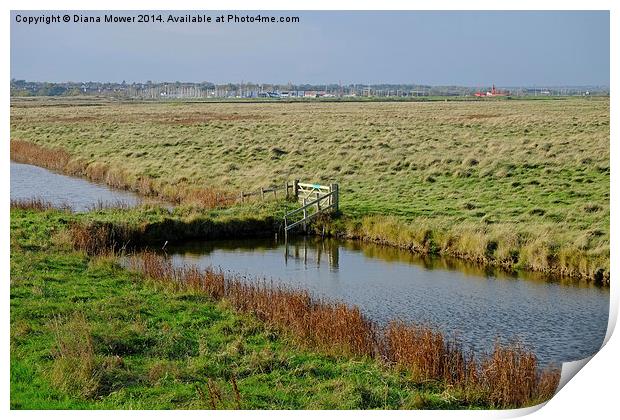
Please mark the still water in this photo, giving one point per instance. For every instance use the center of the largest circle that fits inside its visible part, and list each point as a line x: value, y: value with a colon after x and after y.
x: 28, y: 181
x: 558, y: 320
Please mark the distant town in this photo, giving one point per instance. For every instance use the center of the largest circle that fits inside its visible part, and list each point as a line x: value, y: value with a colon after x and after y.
x: 205, y: 90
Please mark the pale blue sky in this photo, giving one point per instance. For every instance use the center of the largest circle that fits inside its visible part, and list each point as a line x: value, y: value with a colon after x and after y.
x: 440, y: 48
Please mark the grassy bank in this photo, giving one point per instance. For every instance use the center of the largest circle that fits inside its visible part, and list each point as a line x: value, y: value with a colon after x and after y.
x: 496, y: 245
x: 502, y: 245
x: 513, y: 183
x: 86, y: 333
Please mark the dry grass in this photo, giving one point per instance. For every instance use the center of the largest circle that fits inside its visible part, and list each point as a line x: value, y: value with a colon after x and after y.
x: 55, y: 159
x: 428, y: 355
x: 508, y: 377
x: 37, y: 204
x: 109, y: 205
x: 98, y: 239
x: 118, y: 177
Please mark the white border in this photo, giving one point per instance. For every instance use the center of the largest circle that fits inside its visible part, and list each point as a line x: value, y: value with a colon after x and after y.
x: 591, y: 394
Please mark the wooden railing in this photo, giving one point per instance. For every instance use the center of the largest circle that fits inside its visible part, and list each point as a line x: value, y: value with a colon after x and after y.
x: 325, y: 199
x: 314, y: 198
x: 264, y: 193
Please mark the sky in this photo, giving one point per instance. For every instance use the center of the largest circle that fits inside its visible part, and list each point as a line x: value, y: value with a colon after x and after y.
x: 470, y: 48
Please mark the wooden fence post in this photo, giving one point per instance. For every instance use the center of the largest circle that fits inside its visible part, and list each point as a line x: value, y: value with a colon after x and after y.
x: 334, y: 197
x: 242, y: 196
x: 296, y: 189
x: 305, y: 214
x: 262, y: 193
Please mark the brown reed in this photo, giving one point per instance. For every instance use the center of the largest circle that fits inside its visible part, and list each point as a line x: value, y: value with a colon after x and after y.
x: 99, y: 238
x: 101, y: 205
x: 35, y: 203
x: 508, y: 377
x: 60, y: 160
x: 30, y: 153
x: 428, y: 355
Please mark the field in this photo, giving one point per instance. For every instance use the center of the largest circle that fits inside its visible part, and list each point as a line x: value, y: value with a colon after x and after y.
x: 518, y: 183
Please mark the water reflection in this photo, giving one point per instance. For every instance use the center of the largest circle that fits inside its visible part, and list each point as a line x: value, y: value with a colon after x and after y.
x: 28, y: 181
x: 313, y: 250
x: 317, y: 251
x: 560, y: 320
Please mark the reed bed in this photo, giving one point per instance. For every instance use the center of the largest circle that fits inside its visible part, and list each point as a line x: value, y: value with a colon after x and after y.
x: 41, y: 204
x: 99, y: 238
x: 428, y: 355
x: 101, y: 205
x: 37, y: 204
x: 507, y: 377
x: 58, y: 159
x: 319, y: 323
x: 55, y: 159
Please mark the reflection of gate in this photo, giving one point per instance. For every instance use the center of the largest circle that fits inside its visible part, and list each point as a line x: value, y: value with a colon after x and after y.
x: 315, y: 199
x: 313, y: 251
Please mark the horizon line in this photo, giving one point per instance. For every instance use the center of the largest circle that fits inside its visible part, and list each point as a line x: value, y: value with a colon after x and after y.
x: 607, y: 86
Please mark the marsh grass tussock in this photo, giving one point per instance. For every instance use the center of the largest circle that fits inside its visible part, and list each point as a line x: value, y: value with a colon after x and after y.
x: 97, y: 239
x: 77, y: 368
x: 538, y: 248
x: 507, y: 377
x: 74, y: 368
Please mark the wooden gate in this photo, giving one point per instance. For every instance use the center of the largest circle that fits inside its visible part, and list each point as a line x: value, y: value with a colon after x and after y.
x: 315, y: 199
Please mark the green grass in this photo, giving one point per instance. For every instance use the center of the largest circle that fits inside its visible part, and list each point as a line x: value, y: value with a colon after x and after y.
x: 468, y: 171
x: 86, y: 333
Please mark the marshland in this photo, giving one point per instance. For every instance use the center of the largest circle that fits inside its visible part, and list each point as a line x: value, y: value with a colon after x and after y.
x: 500, y: 188
x: 516, y: 183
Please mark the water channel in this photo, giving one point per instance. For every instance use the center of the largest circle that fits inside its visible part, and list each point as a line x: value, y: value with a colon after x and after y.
x: 559, y: 319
